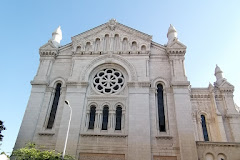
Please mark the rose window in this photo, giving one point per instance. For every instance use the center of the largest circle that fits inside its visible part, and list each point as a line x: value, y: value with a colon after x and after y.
x: 108, y: 81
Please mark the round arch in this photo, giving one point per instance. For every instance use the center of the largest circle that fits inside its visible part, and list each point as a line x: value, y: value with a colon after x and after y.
x: 58, y: 80
x: 106, y: 59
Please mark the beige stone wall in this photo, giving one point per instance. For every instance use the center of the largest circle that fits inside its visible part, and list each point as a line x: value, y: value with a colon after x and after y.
x: 85, y: 156
x: 218, y: 150
x: 144, y: 64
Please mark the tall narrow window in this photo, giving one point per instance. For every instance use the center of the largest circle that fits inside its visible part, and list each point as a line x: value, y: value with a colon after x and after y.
x: 54, y: 106
x: 204, y: 128
x: 105, y: 118
x: 118, y: 118
x: 92, y: 117
x: 161, y: 115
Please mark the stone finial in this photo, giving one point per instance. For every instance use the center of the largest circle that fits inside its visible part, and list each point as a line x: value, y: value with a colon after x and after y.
x: 218, y: 74
x: 172, y: 34
x: 112, y: 24
x: 57, y: 37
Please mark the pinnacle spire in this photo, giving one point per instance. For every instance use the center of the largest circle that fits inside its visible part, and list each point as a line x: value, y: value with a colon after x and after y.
x: 57, y: 37
x: 172, y: 34
x: 218, y: 74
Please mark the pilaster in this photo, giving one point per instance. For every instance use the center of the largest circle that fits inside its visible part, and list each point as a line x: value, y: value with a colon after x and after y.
x: 185, y: 126
x: 139, y: 138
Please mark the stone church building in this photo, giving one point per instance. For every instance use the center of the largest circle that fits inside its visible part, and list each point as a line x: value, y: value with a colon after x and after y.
x: 131, y: 100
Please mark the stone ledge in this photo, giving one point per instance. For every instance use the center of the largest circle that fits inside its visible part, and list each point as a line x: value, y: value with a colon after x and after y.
x: 164, y: 137
x: 104, y: 135
x: 46, y: 133
x: 218, y: 144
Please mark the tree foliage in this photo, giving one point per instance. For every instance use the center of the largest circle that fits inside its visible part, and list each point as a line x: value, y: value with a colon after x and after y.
x: 2, y: 128
x: 30, y: 152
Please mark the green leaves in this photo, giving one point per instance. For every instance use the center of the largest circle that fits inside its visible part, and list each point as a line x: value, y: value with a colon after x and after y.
x: 30, y: 152
x: 2, y: 128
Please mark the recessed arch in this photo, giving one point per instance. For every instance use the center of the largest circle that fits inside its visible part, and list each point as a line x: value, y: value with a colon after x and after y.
x: 119, y: 104
x: 105, y: 104
x: 160, y: 80
x: 92, y: 104
x: 57, y: 80
x: 106, y: 59
x: 221, y: 156
x: 209, y: 156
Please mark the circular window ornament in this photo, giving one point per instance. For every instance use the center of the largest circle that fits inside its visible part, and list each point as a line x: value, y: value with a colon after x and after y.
x: 108, y: 81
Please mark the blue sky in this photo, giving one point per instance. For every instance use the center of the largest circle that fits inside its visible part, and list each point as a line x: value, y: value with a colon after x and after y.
x: 210, y: 30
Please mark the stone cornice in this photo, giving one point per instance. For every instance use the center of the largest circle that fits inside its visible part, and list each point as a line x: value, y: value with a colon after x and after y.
x: 117, y: 25
x: 46, y: 133
x: 198, y: 96
x: 167, y: 137
x: 155, y: 44
x: 218, y: 144
x: 104, y: 135
x: 37, y: 82
x: 176, y: 52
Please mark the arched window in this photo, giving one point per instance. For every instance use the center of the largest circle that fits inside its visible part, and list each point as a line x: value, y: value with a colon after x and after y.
x: 134, y: 46
x: 92, y: 117
x: 143, y: 48
x: 161, y: 114
x: 118, y: 118
x: 54, y: 106
x: 88, y: 46
x: 116, y: 42
x: 97, y: 44
x: 125, y: 44
x: 105, y: 118
x: 204, y: 128
x: 106, y: 43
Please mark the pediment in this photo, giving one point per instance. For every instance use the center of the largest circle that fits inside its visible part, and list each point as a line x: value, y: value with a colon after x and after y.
x: 226, y: 84
x: 48, y: 49
x: 176, y: 47
x: 117, y: 36
x: 48, y: 46
x: 176, y: 44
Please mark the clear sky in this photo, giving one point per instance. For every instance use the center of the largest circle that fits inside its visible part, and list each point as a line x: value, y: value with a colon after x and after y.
x: 210, y: 30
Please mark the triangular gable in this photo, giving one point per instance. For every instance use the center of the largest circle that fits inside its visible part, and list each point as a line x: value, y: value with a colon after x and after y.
x: 226, y: 84
x: 101, y: 40
x: 112, y: 25
x: 176, y: 44
x: 48, y: 49
x: 48, y: 46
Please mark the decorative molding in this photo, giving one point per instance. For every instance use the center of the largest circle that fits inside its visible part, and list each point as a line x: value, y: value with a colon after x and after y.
x: 105, y: 135
x: 46, y: 133
x: 200, y: 96
x: 166, y: 137
x: 105, y: 59
x: 218, y: 144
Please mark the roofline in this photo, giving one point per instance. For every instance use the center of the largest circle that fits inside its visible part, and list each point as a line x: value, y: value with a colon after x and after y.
x: 105, y: 24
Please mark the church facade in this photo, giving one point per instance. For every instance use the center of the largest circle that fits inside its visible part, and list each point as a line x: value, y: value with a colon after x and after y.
x: 130, y: 100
